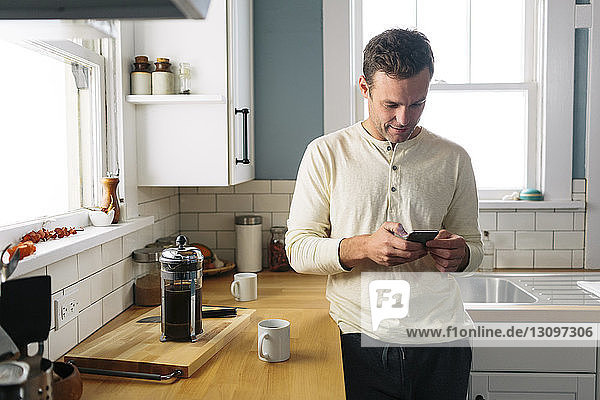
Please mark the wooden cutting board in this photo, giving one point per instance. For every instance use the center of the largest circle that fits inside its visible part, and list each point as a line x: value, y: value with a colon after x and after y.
x: 135, y: 347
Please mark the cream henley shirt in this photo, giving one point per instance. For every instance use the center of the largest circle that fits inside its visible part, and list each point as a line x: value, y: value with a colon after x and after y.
x: 349, y: 184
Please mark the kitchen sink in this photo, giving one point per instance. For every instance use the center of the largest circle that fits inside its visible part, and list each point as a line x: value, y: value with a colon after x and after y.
x: 489, y: 290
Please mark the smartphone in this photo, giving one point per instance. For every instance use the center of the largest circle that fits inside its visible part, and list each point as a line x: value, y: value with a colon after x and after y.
x: 422, y: 236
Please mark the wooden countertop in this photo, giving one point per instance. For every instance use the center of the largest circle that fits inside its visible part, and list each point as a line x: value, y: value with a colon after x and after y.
x: 314, y: 370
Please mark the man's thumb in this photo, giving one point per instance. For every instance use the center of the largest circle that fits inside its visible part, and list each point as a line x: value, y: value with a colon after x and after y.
x: 444, y: 234
x: 395, y: 228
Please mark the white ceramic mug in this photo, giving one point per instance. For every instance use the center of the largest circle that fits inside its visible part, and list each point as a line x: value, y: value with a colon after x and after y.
x: 274, y: 340
x: 244, y: 286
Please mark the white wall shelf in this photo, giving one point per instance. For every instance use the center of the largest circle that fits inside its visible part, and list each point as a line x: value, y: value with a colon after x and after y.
x: 176, y: 99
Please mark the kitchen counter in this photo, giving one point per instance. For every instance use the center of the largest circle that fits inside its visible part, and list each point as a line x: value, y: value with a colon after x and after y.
x: 314, y: 370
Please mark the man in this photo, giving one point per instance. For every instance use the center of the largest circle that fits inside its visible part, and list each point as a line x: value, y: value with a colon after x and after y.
x: 358, y: 190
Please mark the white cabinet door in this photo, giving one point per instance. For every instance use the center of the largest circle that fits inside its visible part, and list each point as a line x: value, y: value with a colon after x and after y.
x: 531, y: 386
x: 197, y: 142
x: 241, y: 114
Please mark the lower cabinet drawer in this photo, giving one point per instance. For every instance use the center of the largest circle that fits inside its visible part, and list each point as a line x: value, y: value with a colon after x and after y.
x: 536, y: 359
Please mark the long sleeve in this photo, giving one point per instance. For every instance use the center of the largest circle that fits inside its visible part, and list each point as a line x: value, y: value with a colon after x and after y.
x: 308, y: 245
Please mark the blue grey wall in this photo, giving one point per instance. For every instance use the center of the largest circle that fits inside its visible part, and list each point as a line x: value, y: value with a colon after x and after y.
x: 288, y: 83
x: 580, y: 102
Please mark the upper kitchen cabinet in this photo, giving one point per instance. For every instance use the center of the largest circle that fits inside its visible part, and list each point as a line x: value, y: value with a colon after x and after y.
x: 207, y: 138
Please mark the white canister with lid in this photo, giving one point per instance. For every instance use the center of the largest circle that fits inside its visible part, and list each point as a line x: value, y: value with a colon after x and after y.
x: 248, y: 229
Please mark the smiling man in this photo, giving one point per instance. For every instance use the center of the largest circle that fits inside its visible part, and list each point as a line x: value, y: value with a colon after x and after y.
x: 357, y: 192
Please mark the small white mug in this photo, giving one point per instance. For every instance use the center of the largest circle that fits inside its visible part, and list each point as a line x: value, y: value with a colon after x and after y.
x: 244, y: 286
x: 274, y: 340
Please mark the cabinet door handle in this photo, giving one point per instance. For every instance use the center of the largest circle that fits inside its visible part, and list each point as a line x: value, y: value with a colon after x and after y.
x: 479, y: 397
x: 245, y: 112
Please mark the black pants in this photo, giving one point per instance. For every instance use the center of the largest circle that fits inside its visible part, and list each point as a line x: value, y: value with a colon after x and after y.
x: 404, y: 373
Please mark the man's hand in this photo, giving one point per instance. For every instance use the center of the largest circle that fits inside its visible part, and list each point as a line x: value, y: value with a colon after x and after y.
x: 382, y: 248
x: 449, y: 251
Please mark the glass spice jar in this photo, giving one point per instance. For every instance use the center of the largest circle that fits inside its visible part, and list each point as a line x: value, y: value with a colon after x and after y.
x: 278, y: 260
x: 185, y: 78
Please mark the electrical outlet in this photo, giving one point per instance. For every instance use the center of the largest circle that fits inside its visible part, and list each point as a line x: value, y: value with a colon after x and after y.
x: 66, y: 308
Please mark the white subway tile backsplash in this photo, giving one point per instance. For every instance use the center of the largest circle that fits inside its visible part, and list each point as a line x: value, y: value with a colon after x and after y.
x: 173, y: 205
x: 112, y: 252
x: 63, y: 273
x: 552, y: 259
x: 158, y: 192
x: 272, y: 202
x: 577, y: 259
x: 548, y: 221
x: 89, y: 320
x: 578, y: 185
x: 145, y: 236
x: 280, y: 219
x: 89, y: 261
x: 534, y: 240
x: 100, y: 284
x: 215, y: 189
x: 159, y: 229
x: 214, y: 222
x: 260, y: 186
x: 144, y: 194
x: 487, y: 221
x: 207, y: 238
x: 164, y: 208
x: 503, y: 240
x: 82, y: 291
x: 188, y: 221
x: 234, y: 202
x: 197, y: 202
x: 514, y: 258
x: 122, y: 272
x: 149, y: 209
x: 283, y: 186
x: 172, y: 225
x: 516, y: 221
x: 226, y: 240
x: 579, y: 221
x: 568, y: 240
x: 37, y: 272
x: 131, y: 242
x: 62, y: 340
x: 116, y: 302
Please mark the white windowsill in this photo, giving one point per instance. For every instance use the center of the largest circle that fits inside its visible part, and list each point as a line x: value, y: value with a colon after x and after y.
x: 92, y: 236
x: 525, y: 204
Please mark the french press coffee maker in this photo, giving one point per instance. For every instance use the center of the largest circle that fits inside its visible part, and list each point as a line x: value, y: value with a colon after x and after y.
x: 181, y: 292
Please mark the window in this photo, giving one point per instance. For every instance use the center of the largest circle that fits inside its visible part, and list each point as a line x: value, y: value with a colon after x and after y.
x: 53, y: 129
x: 484, y: 92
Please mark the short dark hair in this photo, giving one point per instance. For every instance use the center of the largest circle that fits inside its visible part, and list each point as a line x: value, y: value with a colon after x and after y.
x: 399, y: 53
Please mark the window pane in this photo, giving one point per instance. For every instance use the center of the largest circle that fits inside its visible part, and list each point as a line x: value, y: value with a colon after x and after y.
x: 379, y: 15
x: 497, y: 41
x: 491, y: 126
x: 446, y: 24
x: 40, y: 146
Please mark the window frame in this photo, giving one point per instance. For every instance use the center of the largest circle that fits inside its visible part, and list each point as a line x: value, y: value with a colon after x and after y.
x: 554, y: 116
x: 72, y: 52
